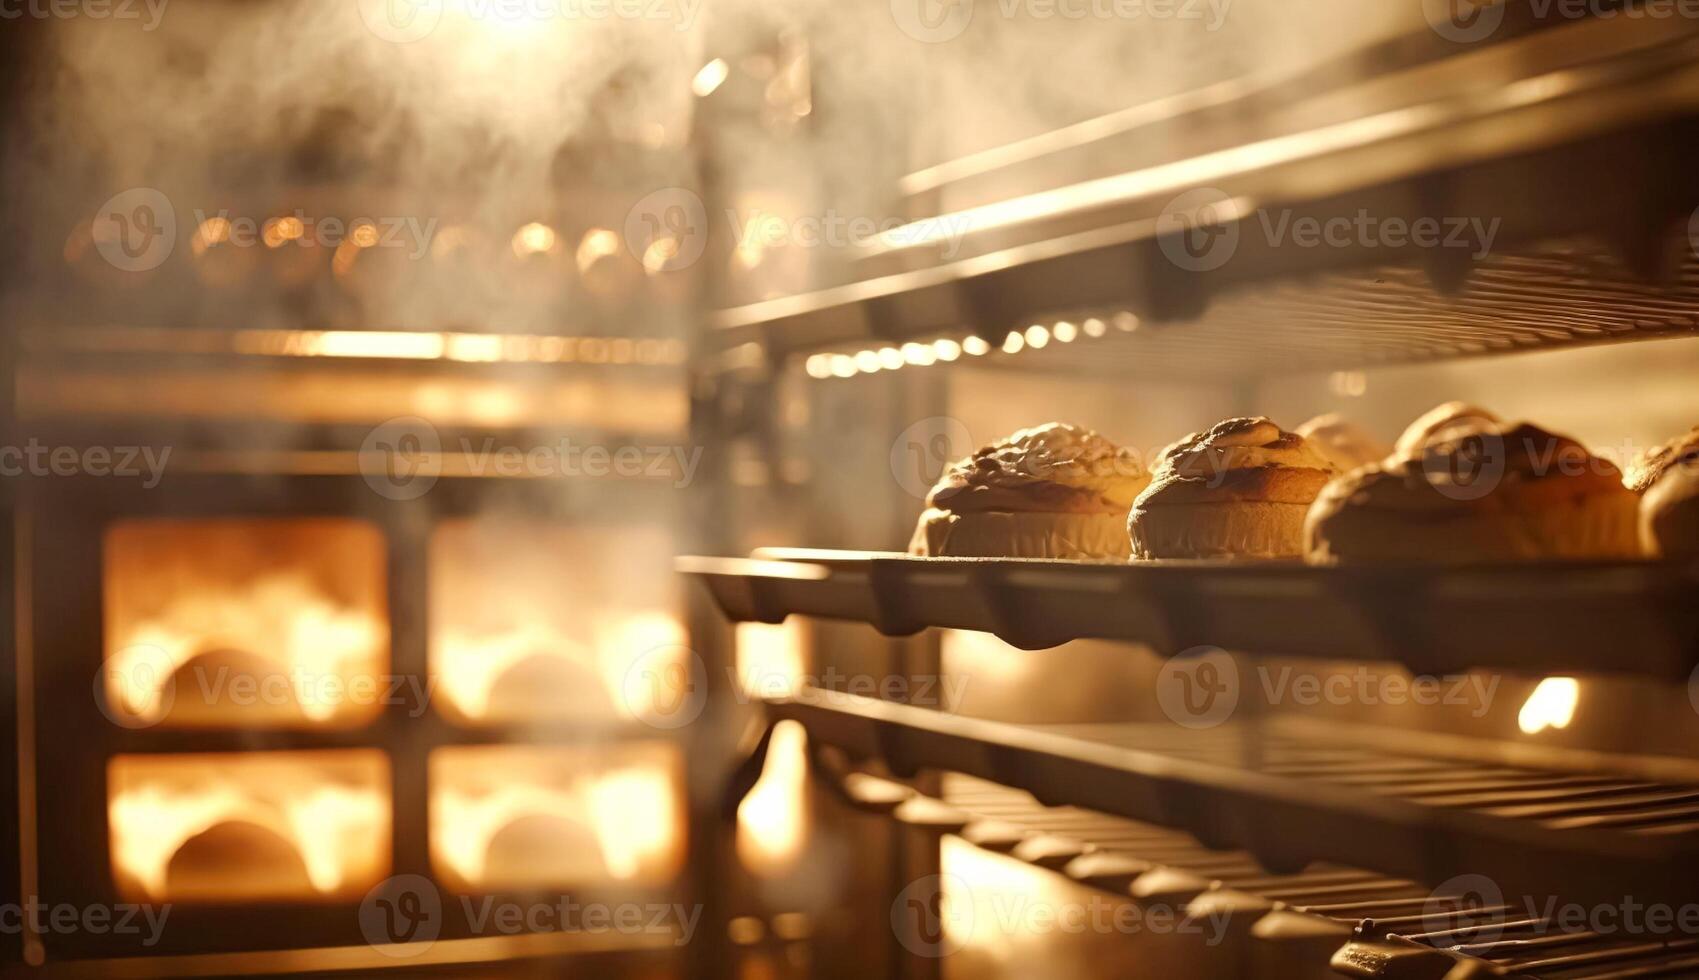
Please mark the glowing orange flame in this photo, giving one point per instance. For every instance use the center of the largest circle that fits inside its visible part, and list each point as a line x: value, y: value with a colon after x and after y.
x: 1552, y: 705
x: 331, y: 808
x: 772, y: 821
x: 521, y: 816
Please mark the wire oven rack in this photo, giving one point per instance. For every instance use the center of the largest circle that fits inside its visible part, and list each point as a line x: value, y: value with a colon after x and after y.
x: 1291, y: 797
x: 1574, y: 260
x: 1294, y: 925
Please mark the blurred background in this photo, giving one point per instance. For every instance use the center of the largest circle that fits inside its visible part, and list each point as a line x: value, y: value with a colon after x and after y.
x: 367, y: 363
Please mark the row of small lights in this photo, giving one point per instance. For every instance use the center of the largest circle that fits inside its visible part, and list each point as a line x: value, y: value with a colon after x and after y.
x: 1035, y: 337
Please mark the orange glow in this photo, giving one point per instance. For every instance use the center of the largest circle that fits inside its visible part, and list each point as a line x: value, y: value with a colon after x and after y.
x: 363, y: 235
x: 771, y: 659
x: 543, y: 817
x: 525, y: 626
x: 597, y: 244
x: 1552, y: 705
x: 253, y: 826
x: 709, y: 78
x: 534, y: 239
x: 212, y: 231
x: 279, y: 622
x: 772, y: 821
x: 279, y: 231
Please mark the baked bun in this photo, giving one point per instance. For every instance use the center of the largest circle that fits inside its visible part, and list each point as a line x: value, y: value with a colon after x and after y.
x: 1441, y: 421
x: 1501, y: 493
x: 1651, y: 465
x: 1669, y: 511
x: 1240, y: 490
x: 1346, y: 444
x: 1055, y: 491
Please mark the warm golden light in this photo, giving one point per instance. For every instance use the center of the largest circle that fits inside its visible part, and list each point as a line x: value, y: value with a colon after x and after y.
x: 245, y: 622
x: 525, y: 627
x: 597, y: 244
x: 772, y: 821
x: 660, y: 253
x: 771, y: 658
x: 710, y: 77
x: 280, y: 231
x: 1552, y: 705
x: 252, y: 826
x: 534, y: 239
x: 546, y: 817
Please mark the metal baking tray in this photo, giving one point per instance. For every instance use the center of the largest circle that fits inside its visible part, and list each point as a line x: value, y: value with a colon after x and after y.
x: 1600, y: 617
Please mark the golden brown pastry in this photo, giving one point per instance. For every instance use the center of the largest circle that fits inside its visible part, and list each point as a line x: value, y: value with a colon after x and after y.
x: 1440, y: 421
x: 1646, y: 470
x: 1669, y: 509
x: 1055, y: 491
x: 1500, y: 493
x: 1346, y: 444
x: 1240, y: 490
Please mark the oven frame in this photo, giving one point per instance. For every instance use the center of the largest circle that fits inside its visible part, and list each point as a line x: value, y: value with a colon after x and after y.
x: 61, y: 526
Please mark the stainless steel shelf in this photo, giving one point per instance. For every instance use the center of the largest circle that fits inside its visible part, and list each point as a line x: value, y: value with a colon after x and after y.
x: 1576, y: 142
x: 1291, y: 795
x: 1615, y: 617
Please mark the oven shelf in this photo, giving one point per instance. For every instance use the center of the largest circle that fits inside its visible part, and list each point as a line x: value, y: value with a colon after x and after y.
x: 1292, y: 793
x: 1569, y: 262
x: 1621, y: 617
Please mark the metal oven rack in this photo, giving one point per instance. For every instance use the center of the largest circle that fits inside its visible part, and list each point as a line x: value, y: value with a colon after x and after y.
x: 1260, y: 923
x: 1501, y: 130
x: 1530, y: 618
